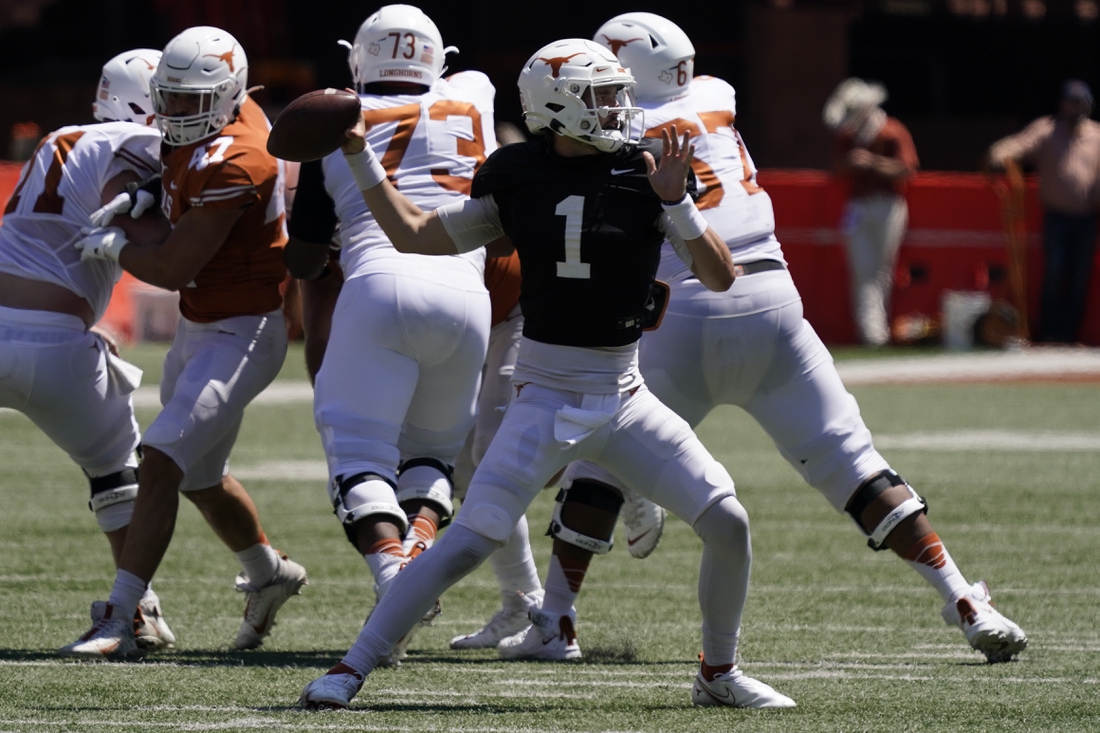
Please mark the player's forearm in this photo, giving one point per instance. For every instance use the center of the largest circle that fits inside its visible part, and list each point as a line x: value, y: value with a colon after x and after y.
x: 711, y: 261
x: 194, y: 241
x: 151, y: 265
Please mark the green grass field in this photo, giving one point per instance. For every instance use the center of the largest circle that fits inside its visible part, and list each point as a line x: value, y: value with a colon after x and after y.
x: 855, y: 637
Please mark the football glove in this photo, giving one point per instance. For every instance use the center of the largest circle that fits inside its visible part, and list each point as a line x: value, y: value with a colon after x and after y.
x: 100, y: 243
x: 137, y: 198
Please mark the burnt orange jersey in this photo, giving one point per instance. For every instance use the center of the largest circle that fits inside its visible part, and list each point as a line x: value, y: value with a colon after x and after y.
x: 232, y: 170
x: 502, y: 279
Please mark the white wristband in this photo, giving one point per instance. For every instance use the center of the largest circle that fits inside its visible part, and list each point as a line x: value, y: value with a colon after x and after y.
x: 365, y: 168
x: 685, y: 216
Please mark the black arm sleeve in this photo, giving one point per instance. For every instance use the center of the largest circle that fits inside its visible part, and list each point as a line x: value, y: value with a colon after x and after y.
x: 313, y: 218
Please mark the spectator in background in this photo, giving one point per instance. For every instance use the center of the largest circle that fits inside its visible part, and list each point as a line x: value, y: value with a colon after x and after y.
x: 1065, y: 149
x: 876, y: 154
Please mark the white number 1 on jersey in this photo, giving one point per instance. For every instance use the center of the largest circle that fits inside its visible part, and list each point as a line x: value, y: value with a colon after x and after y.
x: 572, y: 209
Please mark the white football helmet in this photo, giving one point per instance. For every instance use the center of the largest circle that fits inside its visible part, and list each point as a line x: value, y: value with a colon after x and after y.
x: 123, y: 94
x: 850, y: 102
x: 657, y: 52
x: 397, y: 43
x: 565, y: 88
x: 207, y: 65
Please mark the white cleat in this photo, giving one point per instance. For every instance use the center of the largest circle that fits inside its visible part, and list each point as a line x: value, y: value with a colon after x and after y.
x: 264, y: 603
x: 550, y: 637
x: 109, y: 638
x: 644, y: 523
x: 333, y: 690
x: 986, y: 629
x: 151, y: 631
x: 736, y: 690
x: 508, y: 621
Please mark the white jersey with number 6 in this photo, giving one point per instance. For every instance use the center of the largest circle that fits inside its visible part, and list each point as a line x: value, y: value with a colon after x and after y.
x: 59, y: 188
x: 749, y: 346
x: 738, y: 209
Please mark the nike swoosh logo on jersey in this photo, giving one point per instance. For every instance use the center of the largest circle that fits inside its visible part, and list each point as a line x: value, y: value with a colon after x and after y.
x: 620, y: 171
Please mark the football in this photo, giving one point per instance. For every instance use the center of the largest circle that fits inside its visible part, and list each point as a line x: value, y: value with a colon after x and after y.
x: 313, y: 125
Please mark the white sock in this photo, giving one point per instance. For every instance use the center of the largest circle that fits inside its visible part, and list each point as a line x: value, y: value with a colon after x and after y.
x: 561, y: 592
x: 260, y: 563
x: 415, y: 589
x: 384, y: 567
x: 514, y: 566
x: 126, y: 593
x: 930, y: 558
x: 719, y: 647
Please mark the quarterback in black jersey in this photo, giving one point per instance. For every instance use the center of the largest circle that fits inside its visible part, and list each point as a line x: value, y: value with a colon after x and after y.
x: 587, y: 230
x: 597, y: 293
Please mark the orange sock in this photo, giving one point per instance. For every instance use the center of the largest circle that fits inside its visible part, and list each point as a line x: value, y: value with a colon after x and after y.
x: 386, y: 546
x: 421, y: 535
x: 930, y: 558
x: 928, y: 550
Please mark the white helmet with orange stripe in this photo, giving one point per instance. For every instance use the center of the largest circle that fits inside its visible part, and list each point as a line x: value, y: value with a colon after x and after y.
x: 123, y: 94
x: 657, y: 52
x: 398, y: 43
x: 578, y: 89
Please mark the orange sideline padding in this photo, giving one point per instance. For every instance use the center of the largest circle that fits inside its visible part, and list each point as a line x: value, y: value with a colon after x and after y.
x: 955, y: 241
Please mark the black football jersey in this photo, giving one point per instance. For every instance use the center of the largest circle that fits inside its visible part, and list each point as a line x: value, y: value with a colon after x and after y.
x: 585, y: 229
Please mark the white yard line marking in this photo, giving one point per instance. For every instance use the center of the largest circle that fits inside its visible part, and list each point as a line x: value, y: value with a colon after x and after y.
x: 1049, y: 363
x: 283, y: 471
x: 1004, y: 440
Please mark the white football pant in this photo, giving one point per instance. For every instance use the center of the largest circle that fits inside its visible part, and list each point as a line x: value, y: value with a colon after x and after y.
x: 752, y: 348
x: 401, y: 371
x: 211, y: 373
x: 60, y: 376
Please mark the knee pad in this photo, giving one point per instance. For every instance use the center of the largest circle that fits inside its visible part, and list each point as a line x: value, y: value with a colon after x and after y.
x: 589, y: 493
x: 110, y: 491
x: 428, y: 479
x: 362, y: 495
x: 868, y: 491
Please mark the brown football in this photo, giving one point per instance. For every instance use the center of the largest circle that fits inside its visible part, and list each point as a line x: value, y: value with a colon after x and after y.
x: 313, y: 125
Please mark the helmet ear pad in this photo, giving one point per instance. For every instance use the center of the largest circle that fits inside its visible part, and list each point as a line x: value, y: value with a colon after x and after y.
x: 559, y: 85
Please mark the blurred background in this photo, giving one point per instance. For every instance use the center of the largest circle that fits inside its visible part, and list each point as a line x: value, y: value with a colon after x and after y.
x: 960, y: 75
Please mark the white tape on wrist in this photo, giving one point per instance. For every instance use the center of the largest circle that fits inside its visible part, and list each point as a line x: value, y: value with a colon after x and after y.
x: 685, y: 216
x: 365, y: 168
